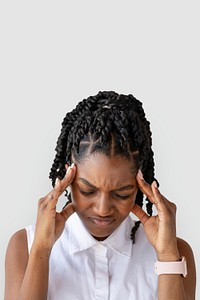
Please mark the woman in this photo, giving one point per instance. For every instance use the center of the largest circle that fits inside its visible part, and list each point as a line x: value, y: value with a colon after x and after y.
x: 93, y: 249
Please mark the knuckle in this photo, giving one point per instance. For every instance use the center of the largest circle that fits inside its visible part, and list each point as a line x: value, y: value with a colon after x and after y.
x: 174, y: 207
x: 150, y: 196
x: 68, y: 179
x: 41, y: 201
x: 171, y: 208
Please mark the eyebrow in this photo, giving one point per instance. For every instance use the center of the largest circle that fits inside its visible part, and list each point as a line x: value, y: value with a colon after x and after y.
x: 123, y: 188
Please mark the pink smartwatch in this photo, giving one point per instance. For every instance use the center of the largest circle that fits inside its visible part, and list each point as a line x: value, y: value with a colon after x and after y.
x: 175, y: 267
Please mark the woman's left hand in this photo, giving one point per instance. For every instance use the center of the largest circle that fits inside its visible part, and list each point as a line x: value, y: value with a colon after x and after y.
x: 161, y: 228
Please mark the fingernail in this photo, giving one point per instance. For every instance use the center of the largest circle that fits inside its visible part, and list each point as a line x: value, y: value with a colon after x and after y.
x: 140, y: 174
x: 155, y: 184
x: 56, y: 182
x: 68, y: 169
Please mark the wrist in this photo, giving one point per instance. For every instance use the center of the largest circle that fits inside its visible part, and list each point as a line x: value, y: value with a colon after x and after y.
x: 169, y: 257
x: 172, y: 255
x: 172, y: 268
x: 40, y: 251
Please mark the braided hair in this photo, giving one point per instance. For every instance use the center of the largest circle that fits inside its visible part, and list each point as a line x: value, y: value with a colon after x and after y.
x: 111, y: 124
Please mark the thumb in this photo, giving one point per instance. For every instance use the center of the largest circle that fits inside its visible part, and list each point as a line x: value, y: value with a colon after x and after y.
x: 140, y: 213
x: 67, y: 211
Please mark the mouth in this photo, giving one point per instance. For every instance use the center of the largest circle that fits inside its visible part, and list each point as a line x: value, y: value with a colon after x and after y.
x: 102, y: 222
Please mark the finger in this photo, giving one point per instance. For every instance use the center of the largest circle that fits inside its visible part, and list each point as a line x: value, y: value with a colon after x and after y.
x: 140, y: 213
x: 162, y: 204
x: 69, y: 168
x: 68, y: 178
x: 51, y: 198
x: 145, y: 187
x: 157, y: 195
x: 62, y: 185
x: 67, y: 211
x: 160, y: 200
x: 46, y: 199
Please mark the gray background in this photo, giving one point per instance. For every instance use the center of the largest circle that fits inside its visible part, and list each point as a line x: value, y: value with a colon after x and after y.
x: 55, y: 53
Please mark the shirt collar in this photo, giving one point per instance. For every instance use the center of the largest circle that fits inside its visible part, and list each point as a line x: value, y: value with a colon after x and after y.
x: 120, y: 240
x: 80, y: 239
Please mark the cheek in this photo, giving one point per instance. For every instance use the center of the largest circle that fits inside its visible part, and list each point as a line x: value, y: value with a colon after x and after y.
x: 134, y: 195
x: 127, y: 206
x: 124, y: 208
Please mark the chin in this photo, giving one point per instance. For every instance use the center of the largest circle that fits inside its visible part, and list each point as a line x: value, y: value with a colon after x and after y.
x: 100, y: 238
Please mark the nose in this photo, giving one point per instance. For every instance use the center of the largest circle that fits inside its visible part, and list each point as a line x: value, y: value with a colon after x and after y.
x: 103, y: 206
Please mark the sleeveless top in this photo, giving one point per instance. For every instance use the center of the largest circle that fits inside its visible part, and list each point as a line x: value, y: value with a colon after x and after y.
x: 82, y: 268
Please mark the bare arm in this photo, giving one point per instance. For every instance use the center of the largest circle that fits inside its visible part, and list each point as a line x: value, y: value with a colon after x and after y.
x: 161, y: 232
x: 27, y: 275
x: 176, y: 286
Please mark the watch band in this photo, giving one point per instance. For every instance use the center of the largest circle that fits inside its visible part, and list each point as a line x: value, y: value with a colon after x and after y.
x: 175, y: 267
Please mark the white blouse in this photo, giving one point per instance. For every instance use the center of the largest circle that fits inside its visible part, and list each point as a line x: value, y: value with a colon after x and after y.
x: 82, y: 268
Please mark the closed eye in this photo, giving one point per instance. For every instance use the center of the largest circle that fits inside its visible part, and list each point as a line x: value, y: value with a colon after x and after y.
x: 87, y: 193
x: 121, y: 197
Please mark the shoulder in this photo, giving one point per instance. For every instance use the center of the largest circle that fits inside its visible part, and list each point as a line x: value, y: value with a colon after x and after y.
x: 19, y: 235
x: 17, y: 246
x: 18, y: 239
x: 15, y: 263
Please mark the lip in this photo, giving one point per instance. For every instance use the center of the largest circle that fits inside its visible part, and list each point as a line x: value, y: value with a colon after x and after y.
x: 102, y: 222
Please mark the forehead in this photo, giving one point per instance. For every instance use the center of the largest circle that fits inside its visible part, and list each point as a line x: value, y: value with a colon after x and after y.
x: 108, y: 172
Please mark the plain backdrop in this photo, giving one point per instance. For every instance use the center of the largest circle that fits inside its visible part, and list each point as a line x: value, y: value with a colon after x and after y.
x: 55, y: 53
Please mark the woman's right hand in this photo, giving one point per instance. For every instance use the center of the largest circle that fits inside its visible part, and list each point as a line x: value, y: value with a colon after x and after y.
x: 50, y: 224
